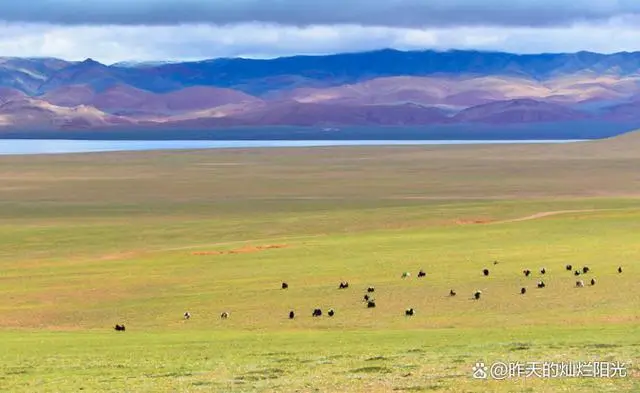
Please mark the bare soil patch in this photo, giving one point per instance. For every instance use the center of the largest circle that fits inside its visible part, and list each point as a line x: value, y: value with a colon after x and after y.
x: 525, y: 218
x: 242, y: 250
x: 473, y: 221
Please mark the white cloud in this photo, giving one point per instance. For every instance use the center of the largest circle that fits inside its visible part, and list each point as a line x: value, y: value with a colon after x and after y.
x: 110, y: 44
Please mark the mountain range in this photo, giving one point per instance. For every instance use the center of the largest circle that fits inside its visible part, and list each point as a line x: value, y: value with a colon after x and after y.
x: 379, y: 88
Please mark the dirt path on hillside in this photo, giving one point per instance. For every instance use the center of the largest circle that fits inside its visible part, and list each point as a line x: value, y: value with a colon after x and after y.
x: 285, y: 238
x: 229, y: 243
x: 546, y: 214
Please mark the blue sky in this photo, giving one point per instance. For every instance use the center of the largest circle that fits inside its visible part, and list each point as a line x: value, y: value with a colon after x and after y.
x: 117, y: 30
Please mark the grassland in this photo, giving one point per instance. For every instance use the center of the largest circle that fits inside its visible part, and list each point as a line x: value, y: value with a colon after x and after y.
x: 90, y: 240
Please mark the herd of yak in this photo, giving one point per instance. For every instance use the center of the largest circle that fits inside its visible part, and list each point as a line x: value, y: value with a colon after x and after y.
x: 371, y: 303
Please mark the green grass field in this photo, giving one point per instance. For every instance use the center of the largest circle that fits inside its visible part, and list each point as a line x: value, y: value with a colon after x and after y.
x: 88, y: 241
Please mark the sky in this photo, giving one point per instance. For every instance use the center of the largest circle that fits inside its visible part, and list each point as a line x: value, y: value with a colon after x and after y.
x: 154, y: 30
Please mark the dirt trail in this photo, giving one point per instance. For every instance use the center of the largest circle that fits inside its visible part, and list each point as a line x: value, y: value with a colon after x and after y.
x: 285, y: 238
x: 241, y: 250
x: 229, y: 243
x: 545, y: 214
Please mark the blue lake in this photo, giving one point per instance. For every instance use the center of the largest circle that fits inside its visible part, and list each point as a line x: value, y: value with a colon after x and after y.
x: 56, y: 146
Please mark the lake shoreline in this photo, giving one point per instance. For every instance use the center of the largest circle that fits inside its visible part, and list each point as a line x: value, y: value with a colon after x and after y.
x: 464, y: 132
x: 72, y: 146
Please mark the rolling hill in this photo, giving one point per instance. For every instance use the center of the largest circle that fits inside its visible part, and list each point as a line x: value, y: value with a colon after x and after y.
x: 379, y: 88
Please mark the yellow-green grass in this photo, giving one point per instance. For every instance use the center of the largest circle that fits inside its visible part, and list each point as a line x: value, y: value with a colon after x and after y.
x: 88, y: 241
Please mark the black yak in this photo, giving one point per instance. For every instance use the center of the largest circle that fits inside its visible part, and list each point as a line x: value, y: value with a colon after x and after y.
x: 285, y: 285
x: 120, y: 328
x: 317, y: 313
x: 292, y: 315
x: 408, y: 312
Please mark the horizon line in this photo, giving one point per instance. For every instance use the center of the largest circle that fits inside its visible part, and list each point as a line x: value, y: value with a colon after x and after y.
x: 329, y: 54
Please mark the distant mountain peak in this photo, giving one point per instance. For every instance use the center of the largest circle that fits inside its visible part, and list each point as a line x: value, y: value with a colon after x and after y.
x: 379, y: 87
x: 90, y: 62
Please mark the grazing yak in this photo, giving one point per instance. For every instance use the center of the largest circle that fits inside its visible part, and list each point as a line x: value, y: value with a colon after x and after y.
x: 579, y: 284
x: 317, y: 313
x: 543, y: 271
x: 477, y: 294
x: 526, y: 272
x: 452, y: 293
x: 576, y: 273
x: 585, y: 269
x: 421, y: 273
x: 523, y: 291
x: 371, y: 289
x: 119, y: 328
x: 406, y: 275
x: 408, y: 312
x: 371, y: 304
x: 619, y: 269
x: 292, y: 314
x: 343, y: 285
x: 541, y: 284
x: 569, y: 267
x: 485, y: 272
x: 224, y: 315
x: 331, y: 312
x: 593, y: 281
x: 187, y: 315
x: 366, y: 298
x: 285, y: 285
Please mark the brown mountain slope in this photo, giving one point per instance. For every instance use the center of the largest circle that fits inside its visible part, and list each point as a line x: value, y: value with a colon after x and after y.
x: 126, y: 99
x: 518, y: 111
x: 302, y: 114
x: 30, y: 112
x: 8, y: 94
x: 464, y: 91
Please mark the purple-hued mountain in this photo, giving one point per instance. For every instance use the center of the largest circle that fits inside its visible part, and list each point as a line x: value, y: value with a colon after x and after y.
x: 379, y: 88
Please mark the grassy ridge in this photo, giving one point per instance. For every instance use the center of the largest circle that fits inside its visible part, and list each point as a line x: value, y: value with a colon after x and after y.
x: 87, y: 241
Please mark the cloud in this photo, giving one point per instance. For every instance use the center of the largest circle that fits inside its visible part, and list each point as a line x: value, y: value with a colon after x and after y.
x: 110, y: 44
x: 389, y: 13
